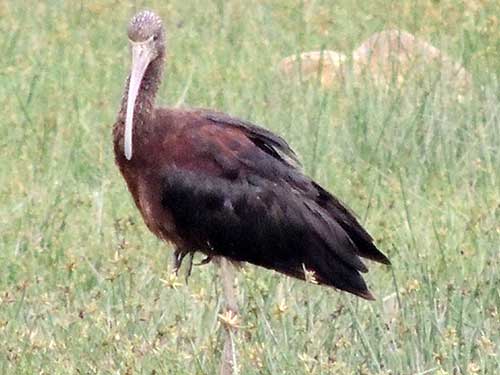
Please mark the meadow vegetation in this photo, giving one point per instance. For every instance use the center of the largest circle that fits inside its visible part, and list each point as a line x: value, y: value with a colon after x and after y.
x: 85, y: 288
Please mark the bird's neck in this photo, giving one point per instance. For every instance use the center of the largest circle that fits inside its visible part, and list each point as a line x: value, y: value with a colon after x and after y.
x: 145, y: 101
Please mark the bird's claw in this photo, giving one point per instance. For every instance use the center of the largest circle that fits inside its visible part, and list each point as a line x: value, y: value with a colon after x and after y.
x: 178, y: 257
x: 207, y: 260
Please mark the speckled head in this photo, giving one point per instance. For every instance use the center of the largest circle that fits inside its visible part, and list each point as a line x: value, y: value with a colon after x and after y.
x: 147, y: 41
x: 145, y: 25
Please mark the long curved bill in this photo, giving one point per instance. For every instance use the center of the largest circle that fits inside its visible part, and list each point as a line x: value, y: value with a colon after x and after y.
x: 141, y: 57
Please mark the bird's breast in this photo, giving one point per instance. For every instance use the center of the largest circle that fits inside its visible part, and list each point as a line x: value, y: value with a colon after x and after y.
x: 155, y: 217
x: 145, y: 187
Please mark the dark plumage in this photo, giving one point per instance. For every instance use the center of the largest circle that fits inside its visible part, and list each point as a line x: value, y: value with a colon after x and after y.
x: 212, y: 183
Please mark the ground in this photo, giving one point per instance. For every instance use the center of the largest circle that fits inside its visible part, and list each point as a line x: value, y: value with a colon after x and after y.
x: 85, y: 288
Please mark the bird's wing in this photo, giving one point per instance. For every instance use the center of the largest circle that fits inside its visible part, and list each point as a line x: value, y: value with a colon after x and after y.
x: 254, y: 220
x: 347, y: 220
x: 262, y: 138
x: 275, y: 147
x: 258, y: 208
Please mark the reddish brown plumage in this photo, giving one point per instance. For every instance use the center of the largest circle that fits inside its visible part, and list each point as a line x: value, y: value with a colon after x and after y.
x: 209, y: 182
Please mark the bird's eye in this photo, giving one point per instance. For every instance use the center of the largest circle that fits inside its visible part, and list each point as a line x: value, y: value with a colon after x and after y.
x: 155, y: 37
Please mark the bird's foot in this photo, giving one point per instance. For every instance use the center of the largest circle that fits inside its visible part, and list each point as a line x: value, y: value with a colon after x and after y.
x: 177, y: 259
x: 179, y: 255
x: 207, y: 260
x: 191, y: 263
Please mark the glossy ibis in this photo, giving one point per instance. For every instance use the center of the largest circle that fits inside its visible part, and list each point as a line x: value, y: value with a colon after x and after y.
x: 209, y: 182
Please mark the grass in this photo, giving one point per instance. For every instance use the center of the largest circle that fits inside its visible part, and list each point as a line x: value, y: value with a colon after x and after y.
x: 85, y: 288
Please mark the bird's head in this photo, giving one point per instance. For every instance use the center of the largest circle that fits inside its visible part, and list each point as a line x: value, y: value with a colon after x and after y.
x: 147, y: 40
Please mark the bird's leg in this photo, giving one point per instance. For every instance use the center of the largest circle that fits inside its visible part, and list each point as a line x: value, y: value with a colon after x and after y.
x: 177, y: 259
x: 229, y: 317
x: 190, y: 266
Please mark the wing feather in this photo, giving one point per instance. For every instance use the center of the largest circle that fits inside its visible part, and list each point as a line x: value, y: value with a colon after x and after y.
x: 262, y: 138
x: 262, y: 223
x: 257, y: 206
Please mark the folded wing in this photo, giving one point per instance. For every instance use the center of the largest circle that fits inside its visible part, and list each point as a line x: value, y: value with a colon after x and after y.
x: 258, y: 207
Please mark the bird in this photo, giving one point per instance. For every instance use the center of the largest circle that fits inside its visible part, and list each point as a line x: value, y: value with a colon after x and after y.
x: 205, y: 181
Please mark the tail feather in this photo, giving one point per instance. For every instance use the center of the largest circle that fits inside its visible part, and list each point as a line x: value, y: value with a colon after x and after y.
x: 331, y: 271
x: 326, y: 268
x: 347, y: 220
x: 340, y: 277
x: 333, y: 243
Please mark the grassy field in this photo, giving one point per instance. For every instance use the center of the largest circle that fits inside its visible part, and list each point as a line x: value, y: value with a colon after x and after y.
x: 85, y: 288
